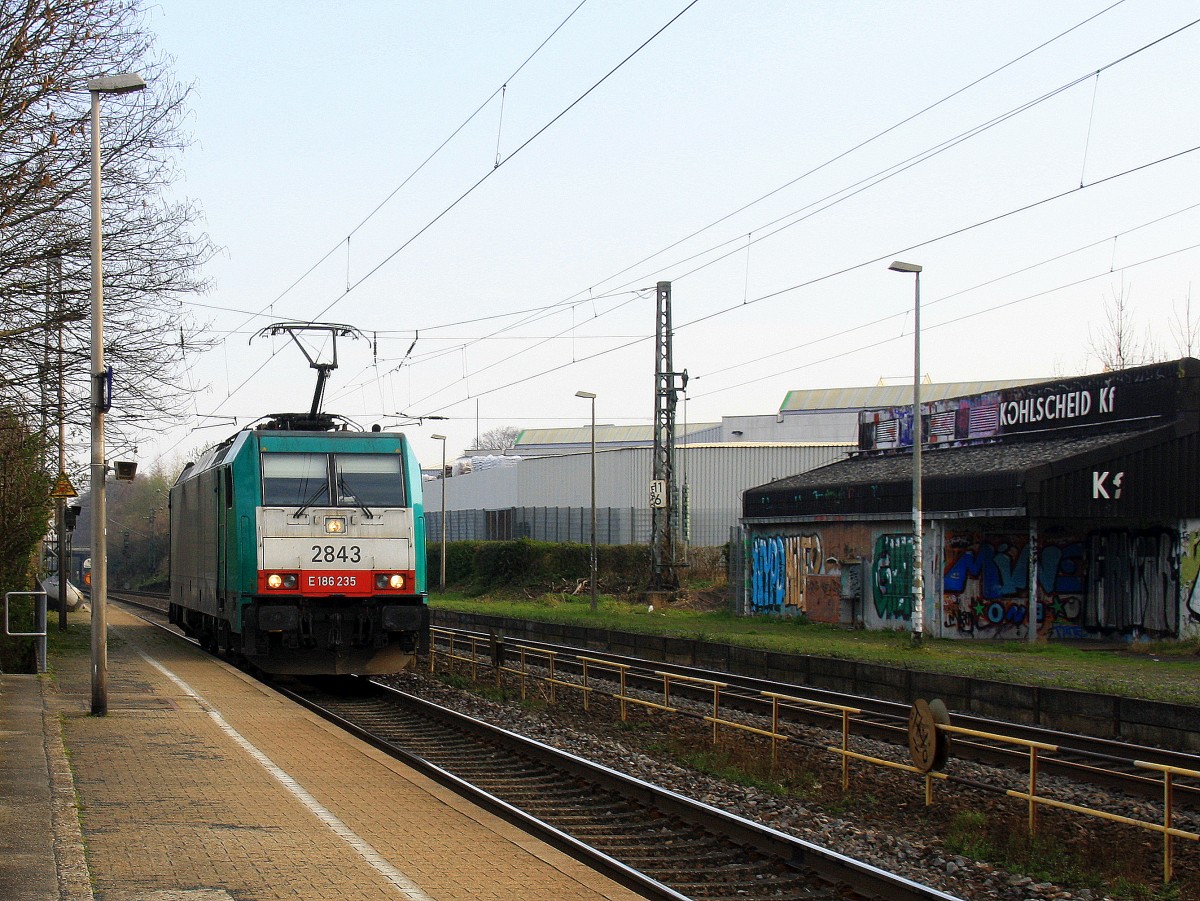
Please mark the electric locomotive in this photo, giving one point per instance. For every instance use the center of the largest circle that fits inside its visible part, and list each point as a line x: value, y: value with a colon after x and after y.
x: 300, y: 545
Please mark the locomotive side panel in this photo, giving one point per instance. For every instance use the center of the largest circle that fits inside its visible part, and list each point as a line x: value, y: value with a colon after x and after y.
x: 194, y: 548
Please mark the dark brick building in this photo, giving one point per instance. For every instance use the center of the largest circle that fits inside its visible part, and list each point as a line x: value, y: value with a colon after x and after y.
x: 1076, y: 498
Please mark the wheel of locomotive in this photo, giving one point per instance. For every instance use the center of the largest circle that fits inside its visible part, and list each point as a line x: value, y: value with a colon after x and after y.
x: 207, y: 635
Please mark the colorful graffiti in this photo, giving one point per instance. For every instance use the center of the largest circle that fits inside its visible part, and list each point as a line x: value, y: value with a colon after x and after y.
x: 892, y: 577
x: 780, y: 566
x: 1189, y: 570
x: 1103, y: 583
x: 985, y: 585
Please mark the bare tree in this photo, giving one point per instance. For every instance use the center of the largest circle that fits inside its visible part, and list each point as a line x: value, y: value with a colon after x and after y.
x: 153, y: 248
x: 501, y: 438
x: 1185, y: 328
x: 1119, y: 344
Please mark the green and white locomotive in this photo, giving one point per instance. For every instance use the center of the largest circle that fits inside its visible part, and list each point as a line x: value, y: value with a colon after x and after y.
x: 300, y: 545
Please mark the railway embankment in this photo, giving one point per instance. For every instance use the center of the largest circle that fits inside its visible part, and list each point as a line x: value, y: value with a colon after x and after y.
x: 1104, y: 713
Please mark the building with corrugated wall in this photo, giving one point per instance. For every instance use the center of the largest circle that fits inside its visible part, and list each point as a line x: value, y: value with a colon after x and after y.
x: 549, y: 498
x: 547, y: 495
x: 1062, y: 509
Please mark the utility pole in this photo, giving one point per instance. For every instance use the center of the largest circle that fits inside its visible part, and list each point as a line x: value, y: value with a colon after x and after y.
x: 60, y: 503
x: 664, y: 504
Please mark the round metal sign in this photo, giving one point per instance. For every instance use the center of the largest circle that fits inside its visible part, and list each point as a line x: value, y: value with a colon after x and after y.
x: 928, y: 746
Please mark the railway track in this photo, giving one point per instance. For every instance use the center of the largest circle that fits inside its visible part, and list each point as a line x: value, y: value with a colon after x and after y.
x: 660, y: 843
x: 479, y: 666
x: 1102, y: 762
x: 653, y: 840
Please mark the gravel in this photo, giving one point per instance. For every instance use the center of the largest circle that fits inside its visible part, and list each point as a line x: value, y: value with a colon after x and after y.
x: 881, y: 835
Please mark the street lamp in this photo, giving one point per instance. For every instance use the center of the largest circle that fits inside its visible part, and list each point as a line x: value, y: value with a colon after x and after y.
x: 109, y: 84
x: 442, y: 581
x: 918, y: 563
x: 587, y: 395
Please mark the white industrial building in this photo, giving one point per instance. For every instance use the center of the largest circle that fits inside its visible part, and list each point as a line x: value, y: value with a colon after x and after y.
x: 543, y: 491
x: 549, y: 498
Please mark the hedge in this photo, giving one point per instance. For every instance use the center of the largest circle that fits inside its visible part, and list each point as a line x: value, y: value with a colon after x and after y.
x: 542, y: 565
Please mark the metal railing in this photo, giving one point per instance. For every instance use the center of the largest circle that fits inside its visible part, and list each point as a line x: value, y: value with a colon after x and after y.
x: 1033, y: 799
x: 469, y: 648
x: 39, y: 622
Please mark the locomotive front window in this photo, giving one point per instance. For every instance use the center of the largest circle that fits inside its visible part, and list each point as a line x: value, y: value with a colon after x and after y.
x: 371, y: 480
x: 295, y: 480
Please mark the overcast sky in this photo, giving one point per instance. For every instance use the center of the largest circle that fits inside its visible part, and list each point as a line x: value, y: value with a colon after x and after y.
x: 769, y: 159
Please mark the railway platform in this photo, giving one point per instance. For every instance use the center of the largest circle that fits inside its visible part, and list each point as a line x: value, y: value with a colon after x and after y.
x: 201, y: 784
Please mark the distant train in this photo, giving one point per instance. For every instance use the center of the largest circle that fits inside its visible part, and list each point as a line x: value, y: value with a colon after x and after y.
x: 301, y: 546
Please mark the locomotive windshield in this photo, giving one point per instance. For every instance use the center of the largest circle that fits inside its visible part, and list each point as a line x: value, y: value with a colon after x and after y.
x: 372, y: 480
x: 295, y: 480
x: 357, y: 480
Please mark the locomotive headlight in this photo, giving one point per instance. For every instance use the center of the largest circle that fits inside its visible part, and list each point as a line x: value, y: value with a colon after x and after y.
x: 396, y: 581
x: 288, y: 581
x: 389, y: 580
x: 335, y: 525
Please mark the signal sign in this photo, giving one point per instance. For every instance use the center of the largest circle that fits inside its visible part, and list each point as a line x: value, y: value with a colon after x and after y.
x: 63, y: 487
x: 658, y: 494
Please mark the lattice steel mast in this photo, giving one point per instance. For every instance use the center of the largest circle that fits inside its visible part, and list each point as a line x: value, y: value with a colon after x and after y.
x: 664, y: 495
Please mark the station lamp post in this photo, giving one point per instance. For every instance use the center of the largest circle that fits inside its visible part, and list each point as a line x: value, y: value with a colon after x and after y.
x: 109, y: 84
x: 442, y: 579
x: 587, y: 395
x: 918, y: 581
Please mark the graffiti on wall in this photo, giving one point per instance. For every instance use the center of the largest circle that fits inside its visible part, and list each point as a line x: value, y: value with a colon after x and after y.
x: 1103, y: 583
x: 1189, y: 570
x: 780, y: 567
x: 985, y: 585
x: 892, y: 577
x: 1134, y: 581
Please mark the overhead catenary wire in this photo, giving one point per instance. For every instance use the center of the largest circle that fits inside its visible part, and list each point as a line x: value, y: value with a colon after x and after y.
x: 465, y: 194
x: 754, y: 300
x: 927, y: 328
x: 896, y: 168
x: 479, y: 182
x: 425, y: 162
x: 810, y: 172
x: 927, y: 304
x: 875, y: 260
x: 861, y: 144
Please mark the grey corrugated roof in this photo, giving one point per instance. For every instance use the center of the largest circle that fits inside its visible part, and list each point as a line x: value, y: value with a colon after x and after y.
x: 994, y: 476
x: 604, y: 433
x: 879, y: 396
x: 952, y: 462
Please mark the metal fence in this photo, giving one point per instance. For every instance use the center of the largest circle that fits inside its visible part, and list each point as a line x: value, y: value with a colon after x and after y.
x: 614, y: 525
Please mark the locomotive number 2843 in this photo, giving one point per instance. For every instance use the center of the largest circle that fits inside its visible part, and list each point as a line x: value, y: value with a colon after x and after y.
x: 328, y: 553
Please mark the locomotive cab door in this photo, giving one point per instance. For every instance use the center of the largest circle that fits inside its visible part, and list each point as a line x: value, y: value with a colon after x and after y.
x: 224, y: 510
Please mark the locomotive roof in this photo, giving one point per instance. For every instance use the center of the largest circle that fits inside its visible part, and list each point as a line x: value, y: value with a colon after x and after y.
x: 265, y: 436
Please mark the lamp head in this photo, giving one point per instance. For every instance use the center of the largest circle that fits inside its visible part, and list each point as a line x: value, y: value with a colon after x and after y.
x: 586, y: 395
x: 438, y: 437
x: 897, y: 266
x: 116, y: 84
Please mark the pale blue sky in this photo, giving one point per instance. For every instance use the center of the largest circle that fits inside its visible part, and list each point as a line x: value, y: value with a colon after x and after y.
x: 307, y: 116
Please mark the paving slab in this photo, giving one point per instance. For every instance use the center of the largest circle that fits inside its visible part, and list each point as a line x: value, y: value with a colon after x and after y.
x: 202, y: 784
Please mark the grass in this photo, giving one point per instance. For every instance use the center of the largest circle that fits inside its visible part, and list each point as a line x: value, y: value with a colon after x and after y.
x: 1163, y: 672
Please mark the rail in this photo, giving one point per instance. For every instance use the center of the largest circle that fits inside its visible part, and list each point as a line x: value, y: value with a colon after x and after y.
x: 593, y: 668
